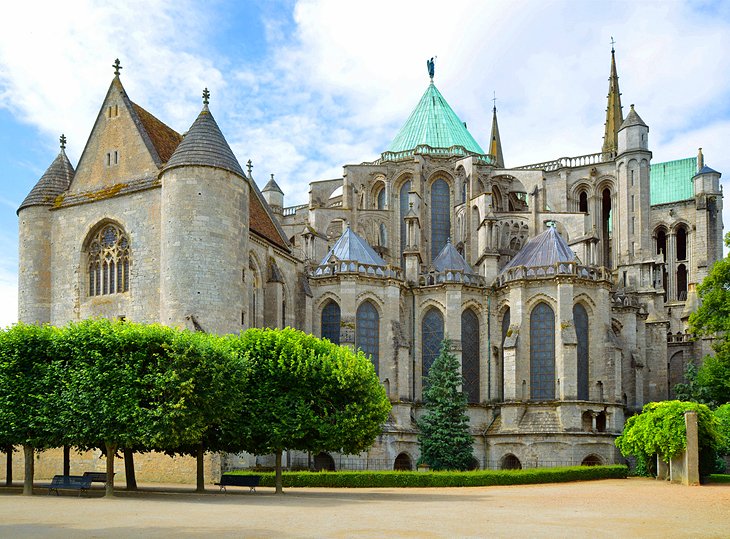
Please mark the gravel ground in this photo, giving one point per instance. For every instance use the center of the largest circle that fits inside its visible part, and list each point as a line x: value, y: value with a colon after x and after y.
x: 610, y: 508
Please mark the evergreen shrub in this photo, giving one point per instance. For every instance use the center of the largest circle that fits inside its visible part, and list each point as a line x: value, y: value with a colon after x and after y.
x: 479, y: 478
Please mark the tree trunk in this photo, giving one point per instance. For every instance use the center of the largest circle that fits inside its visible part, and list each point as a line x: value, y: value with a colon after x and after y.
x: 66, y: 460
x: 29, y: 455
x: 200, y: 476
x: 111, y: 450
x: 129, y: 469
x: 9, y: 466
x: 279, y: 489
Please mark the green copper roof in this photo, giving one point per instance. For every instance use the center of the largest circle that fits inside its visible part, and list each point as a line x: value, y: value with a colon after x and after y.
x: 435, y: 125
x: 672, y: 181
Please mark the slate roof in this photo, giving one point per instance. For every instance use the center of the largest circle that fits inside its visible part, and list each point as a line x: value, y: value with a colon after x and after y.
x: 450, y: 259
x: 164, y: 139
x: 351, y: 246
x: 54, y: 181
x: 205, y: 145
x: 545, y: 249
x: 632, y: 119
x: 272, y: 186
x: 707, y: 170
x: 433, y: 123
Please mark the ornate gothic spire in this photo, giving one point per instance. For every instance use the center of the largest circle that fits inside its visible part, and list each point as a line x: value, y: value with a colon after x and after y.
x: 614, y: 114
x: 495, y: 144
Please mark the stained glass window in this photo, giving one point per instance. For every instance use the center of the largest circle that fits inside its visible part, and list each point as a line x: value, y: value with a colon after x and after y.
x: 432, y: 333
x: 542, y: 352
x: 505, y: 329
x: 440, y: 216
x: 108, y: 261
x: 331, y: 322
x: 404, y: 190
x: 580, y: 318
x: 367, y: 332
x: 381, y: 199
x: 470, y: 354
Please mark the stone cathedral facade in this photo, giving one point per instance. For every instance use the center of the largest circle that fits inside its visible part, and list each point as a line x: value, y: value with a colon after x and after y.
x: 564, y: 286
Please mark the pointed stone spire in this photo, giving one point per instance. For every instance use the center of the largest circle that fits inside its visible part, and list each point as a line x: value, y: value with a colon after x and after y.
x: 614, y: 113
x: 54, y: 181
x: 495, y: 145
x: 205, y: 145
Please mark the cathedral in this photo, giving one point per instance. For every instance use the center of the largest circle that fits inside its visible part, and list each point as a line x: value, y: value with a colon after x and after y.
x: 564, y: 286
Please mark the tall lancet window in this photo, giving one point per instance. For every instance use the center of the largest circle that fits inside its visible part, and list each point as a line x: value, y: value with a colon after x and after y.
x: 108, y: 261
x: 432, y: 333
x: 542, y: 352
x: 367, y: 332
x: 331, y: 319
x: 470, y: 354
x: 404, y: 190
x: 580, y: 318
x: 440, y: 216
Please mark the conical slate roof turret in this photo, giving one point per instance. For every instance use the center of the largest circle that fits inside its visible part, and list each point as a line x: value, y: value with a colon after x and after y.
x: 546, y: 249
x: 271, y: 185
x: 54, y: 181
x: 205, y: 145
x: 351, y: 246
x: 450, y: 259
x: 632, y: 119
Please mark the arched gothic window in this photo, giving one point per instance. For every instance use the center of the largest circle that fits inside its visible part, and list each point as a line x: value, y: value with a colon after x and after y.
x: 256, y: 298
x: 108, y: 261
x: 583, y: 202
x: 470, y: 354
x: 681, y: 239
x: 440, y: 216
x: 331, y: 322
x: 380, y: 199
x: 505, y: 330
x: 382, y: 235
x: 542, y: 352
x: 367, y: 332
x: 432, y: 333
x: 681, y: 282
x: 580, y: 319
x: 404, y: 190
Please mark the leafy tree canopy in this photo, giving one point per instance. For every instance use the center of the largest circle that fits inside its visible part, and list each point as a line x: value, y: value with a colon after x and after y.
x: 444, y: 439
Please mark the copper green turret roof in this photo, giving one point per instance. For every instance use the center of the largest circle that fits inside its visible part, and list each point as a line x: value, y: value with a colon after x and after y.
x: 672, y: 181
x: 433, y: 125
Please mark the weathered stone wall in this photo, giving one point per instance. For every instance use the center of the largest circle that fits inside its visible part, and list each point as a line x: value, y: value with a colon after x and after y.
x: 34, y: 272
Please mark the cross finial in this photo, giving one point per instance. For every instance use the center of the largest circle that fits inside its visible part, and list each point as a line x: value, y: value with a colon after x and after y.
x: 494, y: 101
x: 249, y: 166
x: 62, y: 140
x: 612, y: 44
x: 206, y: 96
x: 117, y: 66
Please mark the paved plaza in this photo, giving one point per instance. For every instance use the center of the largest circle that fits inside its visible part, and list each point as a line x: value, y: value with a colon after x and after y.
x: 610, y: 508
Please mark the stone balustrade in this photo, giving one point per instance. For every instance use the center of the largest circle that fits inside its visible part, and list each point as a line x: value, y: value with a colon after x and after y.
x: 570, y: 162
x: 353, y: 267
x: 451, y: 276
x: 591, y: 273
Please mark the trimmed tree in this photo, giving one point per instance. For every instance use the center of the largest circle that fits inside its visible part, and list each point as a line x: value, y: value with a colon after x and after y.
x: 29, y: 383
x: 444, y: 439
x: 306, y: 394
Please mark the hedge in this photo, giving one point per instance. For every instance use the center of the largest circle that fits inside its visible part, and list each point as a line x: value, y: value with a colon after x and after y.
x: 480, y: 478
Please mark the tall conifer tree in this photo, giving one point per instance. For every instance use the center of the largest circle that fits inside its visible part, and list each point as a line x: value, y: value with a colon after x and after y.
x: 444, y: 438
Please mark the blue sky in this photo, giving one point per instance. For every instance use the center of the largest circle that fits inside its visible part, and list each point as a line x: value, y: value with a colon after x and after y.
x: 302, y: 88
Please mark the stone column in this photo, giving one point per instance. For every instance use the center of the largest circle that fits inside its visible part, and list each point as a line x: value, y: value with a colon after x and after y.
x: 566, y: 358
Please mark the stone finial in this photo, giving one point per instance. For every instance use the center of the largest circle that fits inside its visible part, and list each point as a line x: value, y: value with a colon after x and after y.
x: 117, y: 66
x: 700, y: 160
x: 612, y: 44
x: 272, y: 176
x: 249, y: 167
x: 62, y: 140
x: 206, y: 96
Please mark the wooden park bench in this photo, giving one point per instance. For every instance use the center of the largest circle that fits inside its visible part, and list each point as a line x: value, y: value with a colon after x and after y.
x: 97, y: 477
x: 250, y: 481
x: 69, y: 482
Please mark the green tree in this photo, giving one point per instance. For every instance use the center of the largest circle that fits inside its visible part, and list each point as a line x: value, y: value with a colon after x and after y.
x: 691, y: 390
x: 712, y: 318
x: 307, y: 394
x: 723, y: 424
x: 660, y: 430
x: 444, y: 439
x: 29, y: 386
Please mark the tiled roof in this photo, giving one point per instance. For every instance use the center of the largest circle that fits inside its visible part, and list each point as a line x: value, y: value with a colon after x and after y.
x: 672, y: 181
x: 545, y: 249
x: 53, y: 182
x: 351, y: 246
x: 261, y: 220
x: 205, y: 145
x: 163, y: 138
x: 450, y: 259
x: 433, y: 123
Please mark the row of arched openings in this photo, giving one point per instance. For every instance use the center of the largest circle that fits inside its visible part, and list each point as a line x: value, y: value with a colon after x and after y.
x: 542, y: 350
x: 511, y: 462
x: 367, y: 328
